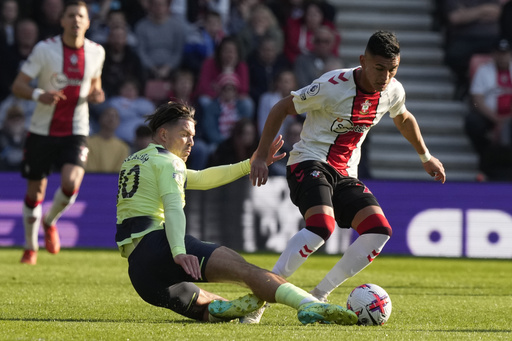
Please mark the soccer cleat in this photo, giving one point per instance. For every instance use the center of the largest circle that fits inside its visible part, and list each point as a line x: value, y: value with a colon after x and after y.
x: 51, y: 238
x: 255, y: 316
x: 235, y: 308
x: 325, y: 313
x: 29, y: 257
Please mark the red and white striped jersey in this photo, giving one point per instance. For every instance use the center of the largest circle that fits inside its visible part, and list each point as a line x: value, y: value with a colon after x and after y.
x: 59, y: 67
x: 338, y: 118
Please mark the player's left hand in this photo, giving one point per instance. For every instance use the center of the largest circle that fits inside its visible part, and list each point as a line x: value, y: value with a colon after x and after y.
x: 435, y: 169
x: 190, y: 264
x: 259, y: 164
x: 96, y: 96
x: 274, y: 148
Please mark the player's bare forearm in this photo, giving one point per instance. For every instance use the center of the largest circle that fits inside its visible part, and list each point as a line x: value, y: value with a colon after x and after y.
x: 96, y: 94
x: 409, y: 128
x: 259, y: 160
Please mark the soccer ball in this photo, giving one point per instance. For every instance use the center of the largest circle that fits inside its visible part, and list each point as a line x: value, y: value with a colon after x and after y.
x: 371, y: 304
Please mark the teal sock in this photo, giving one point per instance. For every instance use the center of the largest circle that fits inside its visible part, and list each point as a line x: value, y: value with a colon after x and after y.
x: 293, y: 296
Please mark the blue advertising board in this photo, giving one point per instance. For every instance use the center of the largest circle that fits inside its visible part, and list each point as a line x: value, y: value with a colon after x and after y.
x: 428, y: 219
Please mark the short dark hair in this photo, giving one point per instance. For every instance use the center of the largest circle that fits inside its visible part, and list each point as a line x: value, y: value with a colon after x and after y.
x: 70, y: 3
x: 384, y: 44
x: 169, y: 113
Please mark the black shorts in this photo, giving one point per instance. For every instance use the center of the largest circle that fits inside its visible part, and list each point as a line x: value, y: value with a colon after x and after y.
x: 314, y: 183
x: 152, y: 269
x: 45, y: 154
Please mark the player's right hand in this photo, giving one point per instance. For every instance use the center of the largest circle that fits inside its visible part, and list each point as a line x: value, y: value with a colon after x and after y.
x: 52, y: 97
x: 190, y: 264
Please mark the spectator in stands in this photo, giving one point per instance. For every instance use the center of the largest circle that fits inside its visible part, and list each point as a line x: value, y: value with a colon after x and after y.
x: 309, y: 66
x: 182, y: 86
x: 106, y: 151
x: 11, y: 59
x: 8, y: 17
x: 202, y: 41
x: 286, y: 9
x: 238, y: 146
x: 299, y: 33
x: 182, y: 89
x: 12, y: 139
x: 239, y: 13
x: 161, y: 38
x: 132, y: 109
x: 26, y: 106
x: 225, y: 60
x: 100, y: 30
x: 264, y: 65
x: 261, y: 24
x: 121, y: 63
x: 489, y: 124
x: 48, y: 18
x: 221, y: 115
x: 472, y: 27
x: 285, y: 82
x: 143, y: 137
x: 506, y: 21
x: 135, y: 10
x: 294, y: 9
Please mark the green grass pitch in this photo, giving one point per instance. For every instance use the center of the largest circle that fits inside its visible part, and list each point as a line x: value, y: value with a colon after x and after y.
x: 87, y: 295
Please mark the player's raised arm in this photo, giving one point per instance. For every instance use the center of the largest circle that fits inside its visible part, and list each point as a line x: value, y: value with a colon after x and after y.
x: 408, y: 127
x: 259, y: 167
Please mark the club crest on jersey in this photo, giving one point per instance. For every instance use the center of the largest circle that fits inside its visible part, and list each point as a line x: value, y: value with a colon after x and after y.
x: 341, y: 126
x: 315, y: 174
x: 365, y: 107
x: 73, y: 59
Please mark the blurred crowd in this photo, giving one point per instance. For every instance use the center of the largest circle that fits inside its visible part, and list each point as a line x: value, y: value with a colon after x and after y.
x: 230, y: 59
x: 233, y: 60
x: 478, y: 49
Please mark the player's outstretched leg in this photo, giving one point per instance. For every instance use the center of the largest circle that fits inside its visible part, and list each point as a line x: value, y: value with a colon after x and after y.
x: 325, y: 313
x: 235, y: 308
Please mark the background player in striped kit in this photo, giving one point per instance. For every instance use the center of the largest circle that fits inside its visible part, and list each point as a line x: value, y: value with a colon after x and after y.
x: 68, y: 72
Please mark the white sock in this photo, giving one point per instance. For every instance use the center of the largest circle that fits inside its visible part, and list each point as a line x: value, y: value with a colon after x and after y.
x: 60, y: 204
x: 358, y: 256
x: 298, y: 248
x: 31, y: 222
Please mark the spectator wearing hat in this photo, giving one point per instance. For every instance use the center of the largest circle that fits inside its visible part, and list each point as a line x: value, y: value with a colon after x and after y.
x: 12, y: 139
x: 221, y: 115
x: 489, y: 123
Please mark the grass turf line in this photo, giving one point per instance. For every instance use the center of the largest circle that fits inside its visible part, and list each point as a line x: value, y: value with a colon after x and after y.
x: 87, y: 295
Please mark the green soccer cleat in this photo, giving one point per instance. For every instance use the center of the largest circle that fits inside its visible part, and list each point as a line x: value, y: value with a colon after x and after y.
x: 325, y: 313
x: 235, y: 308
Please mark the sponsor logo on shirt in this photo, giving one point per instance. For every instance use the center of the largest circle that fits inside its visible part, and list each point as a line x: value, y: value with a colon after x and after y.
x: 342, y: 126
x: 60, y: 81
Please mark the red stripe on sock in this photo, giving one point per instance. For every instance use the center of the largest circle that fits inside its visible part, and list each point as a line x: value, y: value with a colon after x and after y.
x: 373, y: 221
x: 32, y: 203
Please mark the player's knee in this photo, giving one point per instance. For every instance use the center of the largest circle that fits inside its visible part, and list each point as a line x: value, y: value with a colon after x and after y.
x: 375, y: 223
x: 182, y: 300
x: 321, y: 224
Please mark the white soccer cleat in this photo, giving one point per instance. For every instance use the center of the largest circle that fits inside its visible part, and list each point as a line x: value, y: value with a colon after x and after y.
x: 254, y: 317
